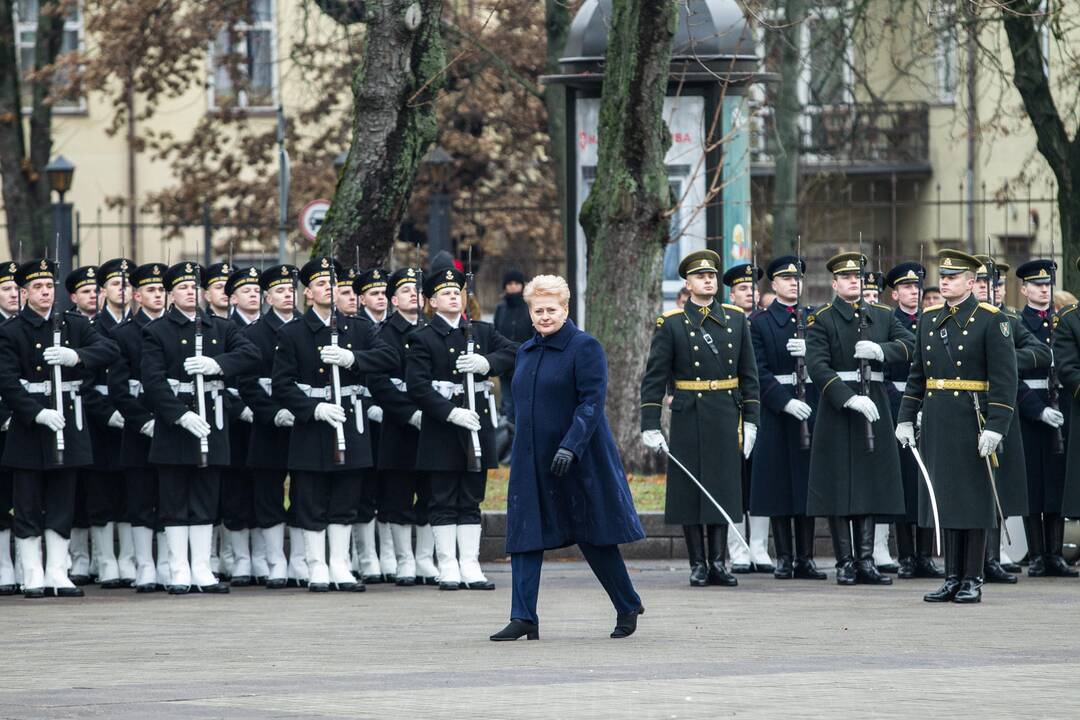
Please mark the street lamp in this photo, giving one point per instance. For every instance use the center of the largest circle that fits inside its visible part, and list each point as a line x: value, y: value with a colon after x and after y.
x: 60, y: 171
x: 439, y: 165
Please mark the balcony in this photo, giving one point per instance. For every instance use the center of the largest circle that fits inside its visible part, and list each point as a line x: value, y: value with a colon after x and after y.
x: 857, y: 138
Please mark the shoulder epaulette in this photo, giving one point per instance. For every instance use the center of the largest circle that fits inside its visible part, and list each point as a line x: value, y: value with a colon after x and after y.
x: 989, y: 308
x: 883, y: 307
x: 667, y: 314
x: 734, y: 307
x: 1066, y: 310
x: 932, y: 308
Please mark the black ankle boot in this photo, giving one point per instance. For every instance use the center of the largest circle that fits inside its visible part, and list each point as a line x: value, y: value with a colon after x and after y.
x: 974, y: 559
x: 925, y: 567
x: 718, y: 574
x: 992, y: 570
x: 1036, y: 542
x: 626, y: 625
x: 1056, y: 566
x: 866, y: 572
x: 804, y: 566
x: 517, y: 629
x: 695, y: 551
x: 905, y: 550
x: 954, y: 561
x: 781, y: 533
x: 840, y: 529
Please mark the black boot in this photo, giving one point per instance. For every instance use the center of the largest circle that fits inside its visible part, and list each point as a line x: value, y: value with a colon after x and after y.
x: 781, y: 534
x: 1033, y: 529
x: 954, y: 562
x: 805, y: 569
x: 866, y: 572
x: 695, y: 550
x: 625, y: 625
x: 1056, y: 566
x: 718, y: 574
x: 925, y: 567
x: 905, y: 550
x: 517, y: 629
x: 974, y: 558
x: 992, y: 570
x: 840, y: 529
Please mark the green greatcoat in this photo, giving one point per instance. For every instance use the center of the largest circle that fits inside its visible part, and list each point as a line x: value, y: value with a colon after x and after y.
x: 1067, y: 361
x: 980, y: 338
x: 706, y: 426
x: 846, y: 479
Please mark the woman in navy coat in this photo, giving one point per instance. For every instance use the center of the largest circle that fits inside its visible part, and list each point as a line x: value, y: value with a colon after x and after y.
x: 567, y: 484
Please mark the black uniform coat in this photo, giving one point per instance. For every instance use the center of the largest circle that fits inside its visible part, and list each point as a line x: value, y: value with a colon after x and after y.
x: 398, y: 439
x: 432, y: 355
x: 169, y: 341
x: 239, y: 431
x: 100, y: 407
x: 780, y: 468
x: 896, y: 374
x: 1067, y: 361
x: 23, y: 340
x: 981, y: 349
x: 846, y: 479
x: 706, y: 426
x: 312, y: 443
x: 134, y: 446
x: 268, y: 445
x: 1045, y: 470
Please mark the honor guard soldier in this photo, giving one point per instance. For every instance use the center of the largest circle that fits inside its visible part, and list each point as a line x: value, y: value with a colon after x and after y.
x: 848, y: 342
x: 46, y: 444
x: 9, y: 307
x: 1067, y: 360
x: 963, y: 379
x: 871, y: 289
x: 705, y: 349
x: 782, y: 462
x: 330, y: 440
x: 457, y: 443
x: 914, y: 544
x: 268, y: 447
x: 1042, y: 426
x: 190, y: 443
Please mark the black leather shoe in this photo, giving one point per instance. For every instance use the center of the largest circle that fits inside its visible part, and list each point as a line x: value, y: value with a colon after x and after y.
x: 845, y: 573
x: 1037, y: 567
x: 178, y: 589
x: 348, y: 587
x: 970, y: 591
x: 80, y: 580
x: 429, y: 580
x: 741, y: 568
x: 276, y: 584
x: 147, y: 588
x: 866, y: 573
x: 806, y: 569
x: 449, y: 586
x: 478, y: 585
x: 259, y: 580
x: 296, y: 583
x: 517, y: 629
x: 762, y: 567
x: 625, y: 625
x: 8, y: 589
x: 116, y: 584
x: 1011, y: 567
x: 889, y: 567
x: 907, y: 568
x: 218, y: 588
x: 945, y: 593
x: 405, y: 581
x: 318, y: 587
x: 1057, y: 567
x: 785, y: 569
x: 390, y: 578
x: 994, y: 573
x: 925, y: 567
x: 66, y: 592
x: 699, y: 575
x: 34, y: 593
x: 240, y: 581
x: 372, y: 579
x: 718, y: 575
x: 695, y: 552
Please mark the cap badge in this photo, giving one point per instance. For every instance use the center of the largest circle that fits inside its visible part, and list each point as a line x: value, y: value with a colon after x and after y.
x: 253, y: 272
x: 89, y: 272
x: 412, y: 273
x: 157, y: 270
x: 188, y: 268
x: 325, y: 263
x: 44, y: 264
x: 376, y: 275
x: 284, y: 271
x: 449, y: 274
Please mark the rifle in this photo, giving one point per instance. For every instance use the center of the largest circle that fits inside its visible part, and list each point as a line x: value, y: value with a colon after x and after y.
x: 1057, y: 442
x: 419, y: 286
x: 864, y: 364
x: 474, y: 459
x: 800, y: 333
x: 200, y: 385
x: 753, y: 276
x: 335, y: 371
x: 57, y: 318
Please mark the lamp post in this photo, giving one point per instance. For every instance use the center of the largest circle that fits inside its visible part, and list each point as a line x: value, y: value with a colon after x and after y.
x: 60, y: 172
x: 440, y: 166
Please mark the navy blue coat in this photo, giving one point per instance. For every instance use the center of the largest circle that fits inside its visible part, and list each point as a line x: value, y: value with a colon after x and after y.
x: 559, y: 386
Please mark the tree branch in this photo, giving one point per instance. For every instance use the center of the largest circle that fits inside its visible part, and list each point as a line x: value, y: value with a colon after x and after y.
x: 345, y: 12
x: 529, y: 86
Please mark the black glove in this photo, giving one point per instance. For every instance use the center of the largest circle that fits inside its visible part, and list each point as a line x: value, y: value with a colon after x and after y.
x: 561, y: 463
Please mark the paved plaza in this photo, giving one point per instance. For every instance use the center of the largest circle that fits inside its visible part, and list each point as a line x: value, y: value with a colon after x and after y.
x: 765, y: 649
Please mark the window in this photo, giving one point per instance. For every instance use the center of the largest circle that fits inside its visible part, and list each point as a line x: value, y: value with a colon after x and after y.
x: 26, y: 20
x: 946, y: 57
x: 243, y: 61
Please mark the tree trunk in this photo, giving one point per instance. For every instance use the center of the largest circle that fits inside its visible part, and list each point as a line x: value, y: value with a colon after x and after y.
x: 394, y: 93
x: 625, y: 216
x: 557, y: 26
x: 786, y: 111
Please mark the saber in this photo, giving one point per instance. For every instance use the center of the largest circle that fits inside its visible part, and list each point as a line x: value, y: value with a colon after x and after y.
x: 706, y: 493
x: 933, y: 497
x: 991, y: 460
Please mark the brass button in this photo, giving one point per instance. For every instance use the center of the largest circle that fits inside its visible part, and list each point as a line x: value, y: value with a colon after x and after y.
x: 927, y: 347
x: 730, y: 361
x: 956, y: 393
x: 696, y: 363
x: 959, y: 347
x: 957, y: 363
x: 183, y: 341
x: 695, y: 348
x: 452, y: 350
x: 730, y: 345
x: 38, y: 368
x: 691, y: 333
x: 929, y: 393
x: 729, y: 329
x: 322, y: 370
x: 699, y: 394
x: 37, y: 345
x: 965, y: 332
x: 213, y: 340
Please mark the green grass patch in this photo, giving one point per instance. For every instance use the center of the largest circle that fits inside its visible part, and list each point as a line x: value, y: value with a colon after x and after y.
x: 648, y: 491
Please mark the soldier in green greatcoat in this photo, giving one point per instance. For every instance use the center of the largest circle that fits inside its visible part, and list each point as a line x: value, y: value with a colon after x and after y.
x: 704, y: 351
x: 850, y: 481
x: 963, y: 378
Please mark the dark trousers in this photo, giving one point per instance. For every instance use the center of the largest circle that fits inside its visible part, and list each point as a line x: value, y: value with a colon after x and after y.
x: 237, y: 499
x: 397, y: 496
x: 324, y: 498
x: 142, y: 496
x: 105, y: 501
x: 188, y: 495
x: 5, y: 499
x: 367, y: 498
x: 80, y: 518
x: 422, y: 504
x: 268, y: 486
x: 456, y: 497
x: 606, y: 563
x: 43, y: 500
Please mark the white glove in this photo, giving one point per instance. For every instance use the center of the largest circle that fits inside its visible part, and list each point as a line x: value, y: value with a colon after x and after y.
x: 988, y: 442
x: 1052, y: 417
x: 246, y: 415
x: 284, y: 418
x: 148, y: 429
x: 905, y: 434
x: 474, y: 363
x: 415, y: 419
x: 116, y: 420
x: 330, y: 413
x: 798, y: 409
x: 374, y: 414
x: 467, y: 419
x: 863, y: 405
x: 201, y: 365
x: 796, y: 347
x: 654, y: 440
x: 50, y: 419
x: 6, y: 425
x: 866, y: 350
x: 918, y: 419
x: 749, y: 436
x: 194, y: 424
x: 335, y: 355
x: 60, y: 355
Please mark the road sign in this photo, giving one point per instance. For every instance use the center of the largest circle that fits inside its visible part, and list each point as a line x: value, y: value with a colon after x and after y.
x: 312, y: 216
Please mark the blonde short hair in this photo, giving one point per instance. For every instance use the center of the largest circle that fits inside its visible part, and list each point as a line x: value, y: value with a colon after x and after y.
x: 548, y: 285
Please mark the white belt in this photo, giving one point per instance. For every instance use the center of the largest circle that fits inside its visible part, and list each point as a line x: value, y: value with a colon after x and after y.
x: 900, y: 386
x: 790, y: 379
x: 267, y: 385
x: 399, y: 384
x: 451, y: 389
x: 853, y: 376
x: 214, y: 387
x: 66, y: 386
x: 1037, y: 384
x: 354, y: 391
x: 135, y: 388
x: 233, y: 391
x: 102, y: 390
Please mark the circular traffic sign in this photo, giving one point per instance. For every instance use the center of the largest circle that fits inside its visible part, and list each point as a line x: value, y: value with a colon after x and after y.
x: 312, y: 216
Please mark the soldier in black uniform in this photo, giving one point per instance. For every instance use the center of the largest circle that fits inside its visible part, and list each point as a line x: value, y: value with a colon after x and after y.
x: 1067, y: 358
x: 9, y: 307
x: 268, y: 447
x: 44, y: 483
x: 188, y: 495
x: 325, y: 493
x: 436, y: 365
x: 963, y: 379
